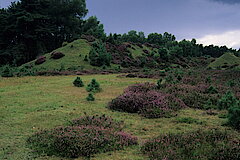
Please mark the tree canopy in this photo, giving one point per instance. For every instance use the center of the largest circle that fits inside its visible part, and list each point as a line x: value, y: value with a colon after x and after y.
x: 29, y: 28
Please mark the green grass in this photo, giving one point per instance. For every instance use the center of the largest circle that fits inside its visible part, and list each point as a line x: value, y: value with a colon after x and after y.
x: 72, y: 58
x: 75, y: 53
x: 139, y: 51
x: 29, y: 104
x: 226, y: 59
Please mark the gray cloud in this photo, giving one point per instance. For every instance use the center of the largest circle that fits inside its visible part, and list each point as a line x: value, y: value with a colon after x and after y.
x: 228, y: 1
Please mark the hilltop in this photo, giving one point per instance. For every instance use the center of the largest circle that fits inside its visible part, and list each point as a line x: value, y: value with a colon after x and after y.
x: 228, y: 60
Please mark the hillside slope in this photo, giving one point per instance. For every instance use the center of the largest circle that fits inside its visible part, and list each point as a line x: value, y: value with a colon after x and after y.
x: 225, y: 61
x: 75, y: 53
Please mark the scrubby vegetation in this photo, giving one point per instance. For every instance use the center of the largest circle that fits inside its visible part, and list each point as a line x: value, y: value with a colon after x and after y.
x: 197, y: 145
x: 86, y: 136
x: 147, y: 101
x: 93, y: 86
x: 98, y: 55
x: 234, y: 116
x: 78, y: 82
x: 57, y: 55
x: 90, y: 97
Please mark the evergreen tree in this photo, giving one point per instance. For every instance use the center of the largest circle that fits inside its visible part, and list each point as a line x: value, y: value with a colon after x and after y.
x: 98, y: 55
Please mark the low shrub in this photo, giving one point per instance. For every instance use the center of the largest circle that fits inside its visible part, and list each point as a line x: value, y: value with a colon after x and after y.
x: 234, y: 116
x: 40, y: 60
x: 85, y: 136
x: 76, y: 141
x: 227, y: 101
x: 103, y: 121
x: 212, y: 90
x: 90, y: 97
x: 143, y: 99
x: 78, y: 82
x: 57, y: 55
x: 159, y: 84
x: 192, y: 96
x: 94, y: 86
x: 86, y: 58
x: 7, y: 71
x: 197, y: 145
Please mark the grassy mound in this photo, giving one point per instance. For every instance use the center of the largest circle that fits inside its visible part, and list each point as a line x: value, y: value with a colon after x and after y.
x: 74, y: 52
x: 227, y: 60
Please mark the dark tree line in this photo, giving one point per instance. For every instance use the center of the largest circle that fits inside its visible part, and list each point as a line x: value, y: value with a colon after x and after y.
x: 169, y: 46
x: 29, y: 28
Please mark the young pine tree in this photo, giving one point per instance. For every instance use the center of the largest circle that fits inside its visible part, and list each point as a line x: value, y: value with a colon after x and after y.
x: 94, y: 86
x: 78, y: 82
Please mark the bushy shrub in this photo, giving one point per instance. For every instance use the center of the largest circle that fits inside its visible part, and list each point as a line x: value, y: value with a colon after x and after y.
x: 234, y: 116
x: 94, y: 86
x: 209, y: 80
x: 143, y: 99
x: 40, y: 60
x: 90, y: 97
x: 86, y: 58
x: 85, y: 136
x: 196, y: 145
x: 179, y: 78
x: 7, y: 71
x: 169, y: 79
x: 57, y: 55
x: 78, y: 82
x: 227, y: 101
x: 76, y: 141
x: 211, y: 90
x: 159, y: 84
x: 192, y: 96
x: 98, y: 55
x: 99, y: 121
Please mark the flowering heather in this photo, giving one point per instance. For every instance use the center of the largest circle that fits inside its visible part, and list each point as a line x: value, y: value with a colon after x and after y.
x: 198, y: 145
x: 192, y: 96
x: 40, y: 60
x: 143, y: 99
x: 57, y: 55
x: 98, y: 121
x: 87, y: 136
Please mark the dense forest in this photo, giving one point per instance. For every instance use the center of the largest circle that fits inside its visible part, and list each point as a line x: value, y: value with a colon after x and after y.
x: 30, y: 28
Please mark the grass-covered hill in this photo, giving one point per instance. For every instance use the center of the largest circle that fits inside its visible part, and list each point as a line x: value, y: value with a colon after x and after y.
x: 76, y: 57
x: 228, y: 60
x: 74, y: 52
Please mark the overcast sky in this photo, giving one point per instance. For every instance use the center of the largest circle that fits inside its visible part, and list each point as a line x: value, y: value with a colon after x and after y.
x: 209, y: 21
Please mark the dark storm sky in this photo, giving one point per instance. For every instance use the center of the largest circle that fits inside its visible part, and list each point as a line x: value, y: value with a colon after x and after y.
x: 209, y: 21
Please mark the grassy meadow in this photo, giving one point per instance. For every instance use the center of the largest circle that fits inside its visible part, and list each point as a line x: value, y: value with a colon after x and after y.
x: 30, y: 104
